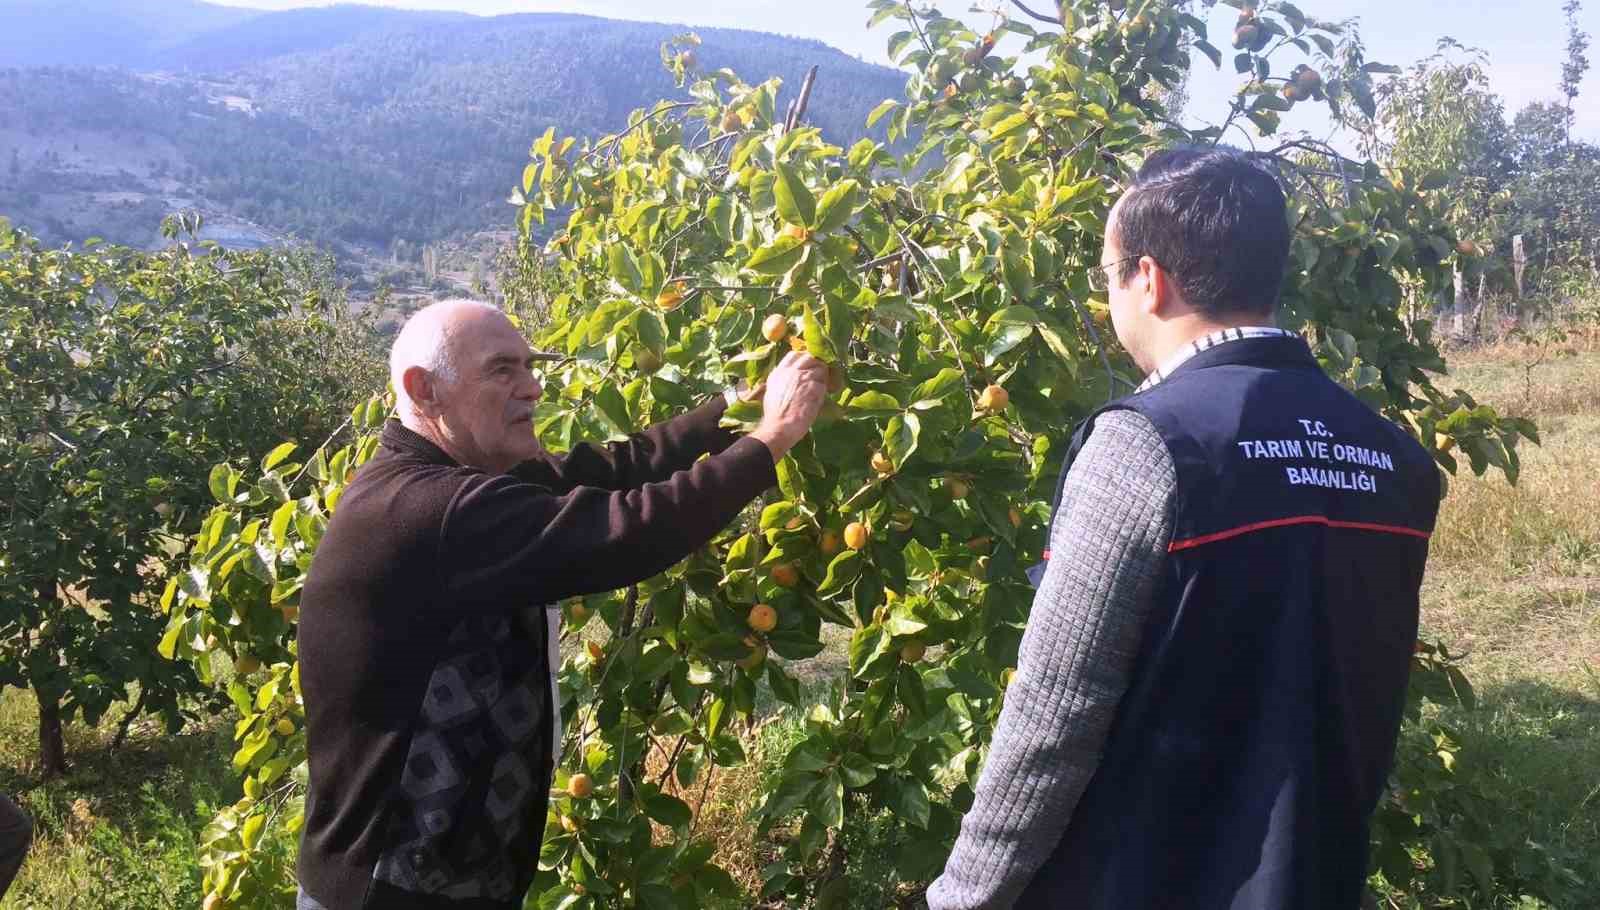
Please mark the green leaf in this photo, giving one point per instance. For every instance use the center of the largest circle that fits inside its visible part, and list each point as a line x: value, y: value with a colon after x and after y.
x: 794, y: 644
x: 900, y: 437
x: 277, y: 455
x: 856, y: 771
x: 883, y: 107
x: 784, y: 687
x: 827, y: 801
x: 945, y: 382
x: 250, y: 833
x: 652, y: 331
x: 900, y: 624
x: 1004, y: 341
x: 777, y: 257
x: 791, y: 793
x: 795, y: 203
x: 608, y: 401
x: 168, y: 646
x: 913, y: 799
x: 279, y: 528
x: 1014, y: 315
x: 790, y: 480
x: 621, y: 266
x: 668, y: 810
x: 843, y: 570
x: 1009, y: 125
x: 870, y: 651
x: 819, y: 343
x: 222, y: 482
x: 837, y: 205
x: 1017, y: 273
x: 873, y: 404
x: 1272, y: 103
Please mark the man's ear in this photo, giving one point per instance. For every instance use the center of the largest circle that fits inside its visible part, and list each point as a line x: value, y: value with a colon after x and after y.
x: 422, y: 389
x: 1164, y: 296
x: 1157, y: 286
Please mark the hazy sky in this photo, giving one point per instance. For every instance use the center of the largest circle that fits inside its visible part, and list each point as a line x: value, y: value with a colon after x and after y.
x: 1525, y: 41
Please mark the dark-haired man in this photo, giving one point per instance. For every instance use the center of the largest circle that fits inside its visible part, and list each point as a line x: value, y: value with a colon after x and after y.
x: 1210, y: 685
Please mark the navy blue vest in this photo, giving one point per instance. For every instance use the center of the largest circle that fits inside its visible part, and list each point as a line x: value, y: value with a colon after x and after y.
x: 1251, y: 748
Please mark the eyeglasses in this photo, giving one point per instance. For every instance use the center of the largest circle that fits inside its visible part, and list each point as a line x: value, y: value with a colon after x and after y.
x: 1100, y: 274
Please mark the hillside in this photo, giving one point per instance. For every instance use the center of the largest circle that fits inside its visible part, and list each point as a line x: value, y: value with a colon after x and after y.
x: 355, y: 126
x: 104, y: 32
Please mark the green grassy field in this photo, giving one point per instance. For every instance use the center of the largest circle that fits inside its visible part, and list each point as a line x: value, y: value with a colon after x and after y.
x: 1514, y: 580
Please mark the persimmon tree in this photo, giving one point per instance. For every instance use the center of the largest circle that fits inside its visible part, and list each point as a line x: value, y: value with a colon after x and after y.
x: 947, y: 287
x: 124, y: 373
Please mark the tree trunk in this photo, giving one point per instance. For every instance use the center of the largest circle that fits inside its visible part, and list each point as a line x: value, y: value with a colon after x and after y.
x: 52, y: 748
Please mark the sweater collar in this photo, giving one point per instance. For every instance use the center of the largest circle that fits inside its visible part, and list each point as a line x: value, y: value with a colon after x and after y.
x: 403, y: 440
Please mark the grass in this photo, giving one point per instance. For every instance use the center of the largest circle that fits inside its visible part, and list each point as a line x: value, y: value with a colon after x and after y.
x: 1514, y: 580
x: 118, y: 831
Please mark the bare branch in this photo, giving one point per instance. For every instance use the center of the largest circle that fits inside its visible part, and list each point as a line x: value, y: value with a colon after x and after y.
x: 1054, y: 20
x: 798, y: 109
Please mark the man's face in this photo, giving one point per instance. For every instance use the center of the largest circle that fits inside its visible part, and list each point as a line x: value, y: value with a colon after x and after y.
x: 488, y: 410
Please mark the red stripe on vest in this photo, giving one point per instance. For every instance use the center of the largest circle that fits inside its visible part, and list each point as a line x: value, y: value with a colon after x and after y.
x: 1193, y: 542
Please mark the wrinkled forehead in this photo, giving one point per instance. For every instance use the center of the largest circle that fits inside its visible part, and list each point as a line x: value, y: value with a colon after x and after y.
x: 489, y: 337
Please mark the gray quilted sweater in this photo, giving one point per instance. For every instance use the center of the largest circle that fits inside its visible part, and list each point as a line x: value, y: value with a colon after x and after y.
x: 1108, y: 545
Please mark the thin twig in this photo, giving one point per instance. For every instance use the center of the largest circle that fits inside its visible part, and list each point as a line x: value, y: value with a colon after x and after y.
x: 699, y: 708
x: 1094, y: 337
x: 955, y: 349
x: 711, y: 772
x: 325, y: 443
x: 917, y: 25
x: 1055, y: 20
x: 611, y: 142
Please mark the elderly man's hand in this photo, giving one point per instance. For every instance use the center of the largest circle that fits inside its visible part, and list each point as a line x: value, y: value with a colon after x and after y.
x: 794, y: 394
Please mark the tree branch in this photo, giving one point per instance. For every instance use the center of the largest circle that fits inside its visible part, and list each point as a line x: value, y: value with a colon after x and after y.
x: 611, y: 143
x: 1054, y: 20
x: 798, y: 109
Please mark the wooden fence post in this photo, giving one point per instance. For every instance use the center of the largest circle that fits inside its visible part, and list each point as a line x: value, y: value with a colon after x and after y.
x: 1519, y: 261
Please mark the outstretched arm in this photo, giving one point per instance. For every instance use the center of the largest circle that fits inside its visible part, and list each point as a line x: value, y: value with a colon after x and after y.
x: 647, y: 457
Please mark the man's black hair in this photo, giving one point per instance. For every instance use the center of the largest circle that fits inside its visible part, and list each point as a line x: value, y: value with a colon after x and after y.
x: 1216, y: 221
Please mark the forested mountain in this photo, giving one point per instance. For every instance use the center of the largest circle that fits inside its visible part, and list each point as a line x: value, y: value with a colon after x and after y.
x: 356, y: 125
x: 104, y: 32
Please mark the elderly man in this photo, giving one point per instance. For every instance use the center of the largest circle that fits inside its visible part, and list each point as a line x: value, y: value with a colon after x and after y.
x: 426, y: 650
x: 1210, y: 685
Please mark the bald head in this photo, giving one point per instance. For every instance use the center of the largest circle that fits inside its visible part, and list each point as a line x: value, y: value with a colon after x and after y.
x: 430, y: 339
x: 463, y: 379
